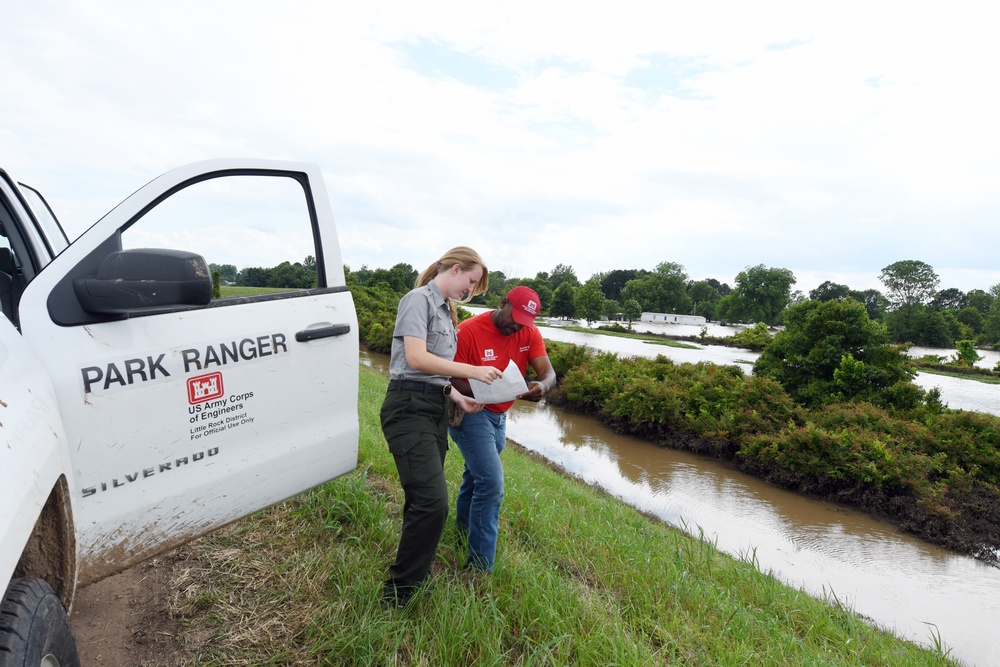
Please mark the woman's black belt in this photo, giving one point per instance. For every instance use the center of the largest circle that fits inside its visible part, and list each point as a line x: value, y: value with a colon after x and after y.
x: 415, y: 385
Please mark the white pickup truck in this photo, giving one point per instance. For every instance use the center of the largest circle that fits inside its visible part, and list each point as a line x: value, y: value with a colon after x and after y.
x: 138, y: 412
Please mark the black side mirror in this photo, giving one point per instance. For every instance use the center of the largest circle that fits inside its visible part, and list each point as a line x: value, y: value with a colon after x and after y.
x: 144, y: 279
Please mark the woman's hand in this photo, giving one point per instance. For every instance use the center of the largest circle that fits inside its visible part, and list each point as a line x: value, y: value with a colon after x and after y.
x: 485, y: 374
x: 467, y: 403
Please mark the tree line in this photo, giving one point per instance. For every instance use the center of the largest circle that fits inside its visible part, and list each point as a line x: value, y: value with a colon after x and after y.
x: 287, y: 275
x: 912, y: 308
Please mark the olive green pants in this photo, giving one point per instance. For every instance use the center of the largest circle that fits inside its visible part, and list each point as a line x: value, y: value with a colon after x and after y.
x: 415, y: 425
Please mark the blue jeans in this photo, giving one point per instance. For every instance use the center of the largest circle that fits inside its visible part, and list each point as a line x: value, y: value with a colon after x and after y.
x: 481, y: 438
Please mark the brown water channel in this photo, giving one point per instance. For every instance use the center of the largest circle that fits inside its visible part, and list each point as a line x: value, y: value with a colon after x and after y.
x: 910, y: 587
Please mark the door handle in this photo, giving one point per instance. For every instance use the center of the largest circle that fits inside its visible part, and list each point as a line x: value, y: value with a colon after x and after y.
x: 323, y: 332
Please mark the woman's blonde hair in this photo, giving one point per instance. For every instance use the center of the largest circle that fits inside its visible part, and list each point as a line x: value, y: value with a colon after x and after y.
x: 466, y: 258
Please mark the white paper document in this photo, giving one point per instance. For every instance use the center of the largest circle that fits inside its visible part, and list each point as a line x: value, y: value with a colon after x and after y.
x: 507, y: 388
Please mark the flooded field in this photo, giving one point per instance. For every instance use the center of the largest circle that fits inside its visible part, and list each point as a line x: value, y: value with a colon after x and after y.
x: 957, y: 393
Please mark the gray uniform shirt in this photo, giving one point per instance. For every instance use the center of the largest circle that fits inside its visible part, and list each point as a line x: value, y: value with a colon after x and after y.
x: 423, y: 313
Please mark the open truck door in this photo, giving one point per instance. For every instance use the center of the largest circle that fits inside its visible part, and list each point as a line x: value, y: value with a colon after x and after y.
x: 184, y: 412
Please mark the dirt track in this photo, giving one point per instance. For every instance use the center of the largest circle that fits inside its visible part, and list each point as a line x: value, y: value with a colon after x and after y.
x: 124, y: 620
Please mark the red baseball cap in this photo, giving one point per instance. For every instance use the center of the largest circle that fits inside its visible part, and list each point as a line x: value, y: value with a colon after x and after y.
x: 525, y: 305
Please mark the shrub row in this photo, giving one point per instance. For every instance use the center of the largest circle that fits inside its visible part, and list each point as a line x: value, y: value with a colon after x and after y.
x: 376, y: 310
x: 932, y: 471
x: 955, y: 368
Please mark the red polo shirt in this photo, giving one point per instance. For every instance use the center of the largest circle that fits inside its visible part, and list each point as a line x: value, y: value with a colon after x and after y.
x: 480, y: 343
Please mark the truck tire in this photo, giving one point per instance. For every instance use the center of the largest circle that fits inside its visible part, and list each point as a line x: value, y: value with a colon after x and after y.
x: 34, y: 627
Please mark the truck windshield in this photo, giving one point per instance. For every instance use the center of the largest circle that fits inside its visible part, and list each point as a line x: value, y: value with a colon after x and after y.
x: 50, y: 226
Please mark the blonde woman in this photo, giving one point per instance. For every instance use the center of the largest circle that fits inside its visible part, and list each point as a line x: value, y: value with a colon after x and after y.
x: 414, y: 414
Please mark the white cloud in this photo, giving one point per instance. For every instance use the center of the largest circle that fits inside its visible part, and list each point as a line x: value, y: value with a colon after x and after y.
x: 831, y: 141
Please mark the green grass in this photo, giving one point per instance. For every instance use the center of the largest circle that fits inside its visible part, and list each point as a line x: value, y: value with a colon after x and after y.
x: 581, y: 579
x: 657, y: 340
x: 958, y: 374
x: 226, y: 291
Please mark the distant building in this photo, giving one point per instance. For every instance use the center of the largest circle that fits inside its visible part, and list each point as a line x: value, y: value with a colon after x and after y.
x: 670, y: 318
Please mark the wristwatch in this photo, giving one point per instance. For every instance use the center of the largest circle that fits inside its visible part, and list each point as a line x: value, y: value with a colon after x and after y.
x: 446, y: 389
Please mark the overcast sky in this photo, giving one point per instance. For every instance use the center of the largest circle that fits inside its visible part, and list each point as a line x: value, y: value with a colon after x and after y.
x: 831, y: 139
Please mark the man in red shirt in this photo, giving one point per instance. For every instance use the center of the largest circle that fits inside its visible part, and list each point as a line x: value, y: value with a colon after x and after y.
x: 494, y: 339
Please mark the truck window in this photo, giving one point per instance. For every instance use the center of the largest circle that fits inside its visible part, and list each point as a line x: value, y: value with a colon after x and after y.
x: 12, y: 277
x: 7, y: 271
x: 255, y: 231
x: 54, y: 235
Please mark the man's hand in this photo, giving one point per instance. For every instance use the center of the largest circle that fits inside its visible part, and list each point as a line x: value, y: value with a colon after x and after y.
x: 546, y: 381
x: 536, y: 391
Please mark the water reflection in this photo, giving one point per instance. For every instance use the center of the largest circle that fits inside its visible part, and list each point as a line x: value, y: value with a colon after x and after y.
x: 906, y: 585
x: 629, y: 347
x: 959, y: 394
